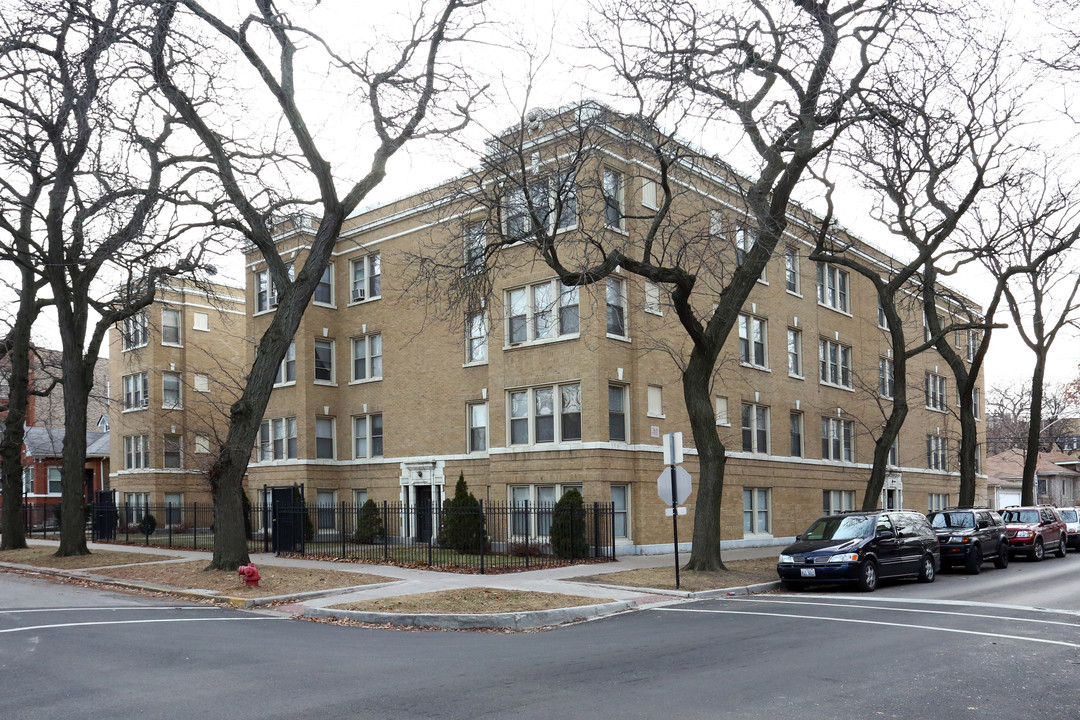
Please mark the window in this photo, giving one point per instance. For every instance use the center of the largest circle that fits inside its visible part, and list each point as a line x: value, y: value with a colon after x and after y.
x: 170, y: 390
x: 533, y: 418
x: 796, y: 419
x: 894, y: 453
x: 134, y: 334
x: 976, y: 403
x: 755, y: 428
x: 882, y: 319
x: 521, y: 220
x: 791, y: 269
x: 367, y: 357
x: 752, y: 347
x: 324, y: 438
x: 564, y: 199
x: 137, y: 506
x: 656, y: 401
x: 756, y: 512
x: 620, y: 496
x: 617, y: 413
x: 794, y: 352
x: 837, y: 437
x: 832, y: 287
x: 368, y: 436
x: 978, y: 459
x: 648, y: 194
x: 540, y: 502
x: 935, y: 392
x: 174, y: 508
x: 366, y: 278
x: 716, y: 223
x: 277, y: 439
x: 360, y: 498
x: 836, y: 501
x: 171, y: 446
x: 56, y: 483
x: 613, y: 199
x: 835, y: 363
x: 886, y: 378
x: 136, y: 391
x: 974, y: 339
x: 136, y: 452
x: 28, y: 480
x: 263, y: 301
x: 936, y: 501
x: 474, y: 248
x: 324, y: 361
x: 721, y: 412
x: 201, y: 382
x: 530, y: 312
x: 652, y: 298
x: 476, y: 340
x: 324, y: 290
x: 202, y: 444
x: 200, y: 321
x: 286, y: 372
x: 745, y: 240
x: 324, y: 513
x: 478, y: 421
x: 616, y: 307
x: 170, y: 327
x: 937, y: 452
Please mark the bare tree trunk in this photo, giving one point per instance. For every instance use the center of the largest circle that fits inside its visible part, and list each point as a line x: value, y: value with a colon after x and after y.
x: 12, y: 521
x: 712, y: 457
x: 1028, y: 495
x: 72, y: 499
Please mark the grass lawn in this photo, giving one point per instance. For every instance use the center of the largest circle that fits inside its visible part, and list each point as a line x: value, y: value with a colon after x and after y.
x: 740, y: 572
x: 275, y: 580
x: 42, y: 556
x: 472, y: 600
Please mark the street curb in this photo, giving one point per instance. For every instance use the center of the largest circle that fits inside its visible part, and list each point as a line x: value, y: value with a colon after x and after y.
x: 493, y: 621
x: 701, y: 594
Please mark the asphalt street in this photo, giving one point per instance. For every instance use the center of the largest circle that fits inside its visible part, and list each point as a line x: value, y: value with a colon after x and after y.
x: 963, y: 646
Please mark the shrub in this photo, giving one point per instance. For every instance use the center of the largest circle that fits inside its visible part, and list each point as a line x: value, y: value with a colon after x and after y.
x: 568, y: 526
x: 148, y: 524
x: 369, y: 525
x: 463, y: 522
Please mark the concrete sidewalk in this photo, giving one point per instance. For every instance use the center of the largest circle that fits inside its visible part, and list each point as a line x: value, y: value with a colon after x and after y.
x: 411, y: 581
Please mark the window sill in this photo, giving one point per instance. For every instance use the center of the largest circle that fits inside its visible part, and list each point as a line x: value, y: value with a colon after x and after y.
x: 332, y: 306
x: 762, y: 281
x: 619, y: 230
x: 620, y: 338
x: 290, y: 383
x: 658, y: 313
x: 364, y: 381
x: 723, y: 424
x: 835, y: 310
x: 129, y: 349
x: 762, y: 368
x: 658, y: 417
x: 172, y: 407
x: 206, y: 330
x: 172, y: 345
x: 845, y: 388
x: 474, y: 363
x: 534, y: 343
x: 131, y: 410
x: 795, y: 376
x: 936, y: 410
x: 794, y: 293
x: 327, y: 383
x: 257, y: 313
x: 364, y: 301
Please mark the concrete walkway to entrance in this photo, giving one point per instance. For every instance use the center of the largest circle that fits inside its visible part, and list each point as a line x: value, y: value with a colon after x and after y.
x: 410, y: 581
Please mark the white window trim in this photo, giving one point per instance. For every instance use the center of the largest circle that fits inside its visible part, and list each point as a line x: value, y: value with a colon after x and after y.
x: 195, y: 315
x: 840, y: 364
x: 333, y: 363
x: 368, y: 261
x: 751, y: 319
x: 367, y: 359
x: 281, y: 368
x: 726, y: 420
x: 366, y: 418
x: 333, y: 436
x: 941, y: 382
x: 179, y: 451
x: 144, y: 390
x: 837, y: 426
x: 179, y: 405
x: 754, y: 449
x: 557, y: 429
x: 530, y: 316
x: 142, y: 321
x: 660, y: 415
x: 269, y: 424
x: 469, y: 338
x: 800, y: 374
x: 652, y: 299
x: 620, y: 199
x: 179, y: 328
x: 755, y: 531
x: 469, y: 427
x: 797, y: 292
x: 333, y: 287
x: 837, y: 272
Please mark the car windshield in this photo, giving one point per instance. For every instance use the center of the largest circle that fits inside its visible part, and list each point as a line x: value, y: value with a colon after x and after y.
x: 1068, y: 515
x: 1021, y: 516
x: 952, y: 520
x: 840, y: 528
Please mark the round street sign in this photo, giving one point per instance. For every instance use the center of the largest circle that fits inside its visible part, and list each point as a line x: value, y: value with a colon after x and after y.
x: 682, y: 485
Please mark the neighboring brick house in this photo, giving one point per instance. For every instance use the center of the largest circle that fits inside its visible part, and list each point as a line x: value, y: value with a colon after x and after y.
x: 175, y: 368
x: 1056, y: 479
x: 42, y: 459
x: 547, y: 389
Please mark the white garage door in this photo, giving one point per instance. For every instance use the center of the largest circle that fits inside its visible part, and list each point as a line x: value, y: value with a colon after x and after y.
x: 1005, y: 498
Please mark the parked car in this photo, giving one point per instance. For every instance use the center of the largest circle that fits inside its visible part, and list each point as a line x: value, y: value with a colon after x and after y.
x: 860, y: 548
x: 1033, y: 529
x: 969, y: 536
x: 1071, y: 516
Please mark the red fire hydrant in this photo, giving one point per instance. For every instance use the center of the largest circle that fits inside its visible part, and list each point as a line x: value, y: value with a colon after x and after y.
x: 249, y: 575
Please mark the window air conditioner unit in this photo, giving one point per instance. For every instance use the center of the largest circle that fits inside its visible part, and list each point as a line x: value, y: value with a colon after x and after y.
x: 358, y: 293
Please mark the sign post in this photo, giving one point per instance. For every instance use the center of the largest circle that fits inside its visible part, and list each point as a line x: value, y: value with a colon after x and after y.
x: 673, y: 486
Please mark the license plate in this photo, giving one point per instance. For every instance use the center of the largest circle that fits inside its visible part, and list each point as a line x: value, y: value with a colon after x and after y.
x: 808, y: 572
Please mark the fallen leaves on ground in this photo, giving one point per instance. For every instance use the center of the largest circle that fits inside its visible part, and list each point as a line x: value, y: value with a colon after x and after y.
x: 42, y: 556
x: 472, y: 600
x: 739, y: 572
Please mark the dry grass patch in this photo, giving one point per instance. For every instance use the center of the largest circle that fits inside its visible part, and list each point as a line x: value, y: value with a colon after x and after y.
x: 472, y: 600
x: 275, y: 580
x: 740, y: 572
x: 42, y: 556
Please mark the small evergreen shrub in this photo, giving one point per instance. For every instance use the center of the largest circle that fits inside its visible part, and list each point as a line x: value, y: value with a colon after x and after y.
x: 369, y: 525
x: 568, y: 526
x: 148, y: 524
x: 463, y: 522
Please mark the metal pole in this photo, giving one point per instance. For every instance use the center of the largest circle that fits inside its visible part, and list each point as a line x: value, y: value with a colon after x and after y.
x: 674, y: 509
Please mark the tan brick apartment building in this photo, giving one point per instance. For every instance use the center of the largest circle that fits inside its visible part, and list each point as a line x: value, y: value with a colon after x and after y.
x: 173, y: 371
x: 549, y: 388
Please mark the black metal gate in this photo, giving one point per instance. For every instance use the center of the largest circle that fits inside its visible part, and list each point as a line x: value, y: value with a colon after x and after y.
x: 287, y: 512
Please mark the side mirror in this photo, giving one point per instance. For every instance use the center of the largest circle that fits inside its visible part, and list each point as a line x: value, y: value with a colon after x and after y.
x: 798, y: 538
x: 886, y: 535
x: 983, y: 524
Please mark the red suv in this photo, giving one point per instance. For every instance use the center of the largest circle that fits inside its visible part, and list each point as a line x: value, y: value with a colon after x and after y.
x: 1032, y: 529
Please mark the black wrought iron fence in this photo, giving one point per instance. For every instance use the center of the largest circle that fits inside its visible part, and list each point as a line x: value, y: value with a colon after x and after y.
x: 487, y: 537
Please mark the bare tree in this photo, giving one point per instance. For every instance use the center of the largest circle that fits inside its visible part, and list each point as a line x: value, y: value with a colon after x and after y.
x: 1008, y: 415
x: 94, y: 167
x: 418, y: 91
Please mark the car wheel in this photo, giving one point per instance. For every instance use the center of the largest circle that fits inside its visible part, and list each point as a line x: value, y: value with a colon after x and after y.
x: 1062, y: 547
x: 1002, y: 560
x: 927, y: 572
x: 974, y: 561
x: 868, y: 576
x: 1037, y: 550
